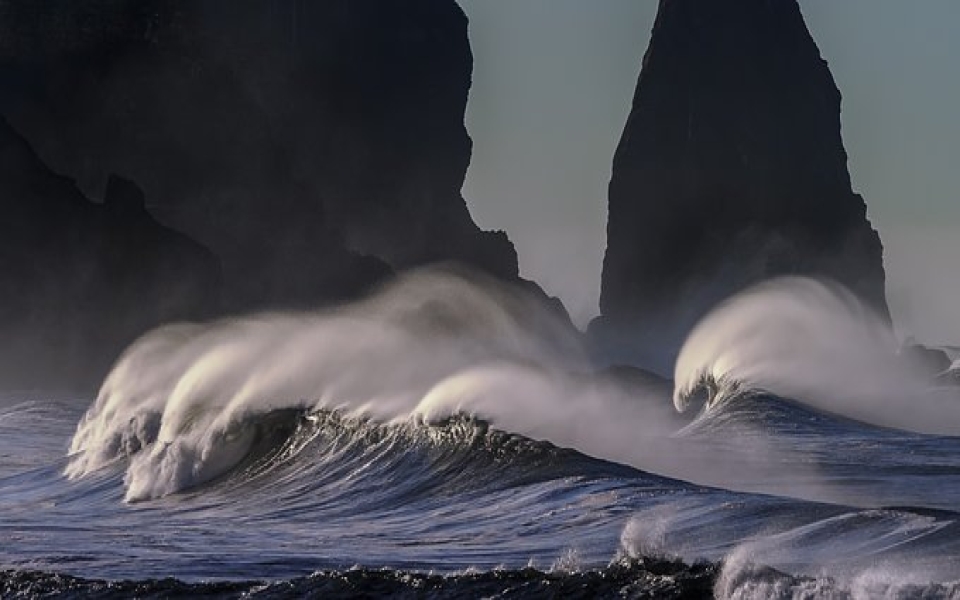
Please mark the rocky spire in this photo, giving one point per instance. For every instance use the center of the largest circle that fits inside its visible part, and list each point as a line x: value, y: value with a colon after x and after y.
x: 731, y: 169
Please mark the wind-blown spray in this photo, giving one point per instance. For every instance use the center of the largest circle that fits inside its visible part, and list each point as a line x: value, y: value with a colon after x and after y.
x: 183, y: 402
x: 814, y: 342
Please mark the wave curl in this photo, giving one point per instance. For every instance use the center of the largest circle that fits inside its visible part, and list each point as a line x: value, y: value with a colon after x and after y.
x: 814, y: 342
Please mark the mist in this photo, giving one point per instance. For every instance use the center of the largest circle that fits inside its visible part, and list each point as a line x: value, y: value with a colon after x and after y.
x: 183, y: 403
x: 813, y: 342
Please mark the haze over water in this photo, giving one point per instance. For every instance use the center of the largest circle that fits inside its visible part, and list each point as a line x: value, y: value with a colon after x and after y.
x: 446, y: 432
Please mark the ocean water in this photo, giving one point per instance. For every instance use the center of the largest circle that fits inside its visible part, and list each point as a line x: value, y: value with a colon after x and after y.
x: 446, y: 438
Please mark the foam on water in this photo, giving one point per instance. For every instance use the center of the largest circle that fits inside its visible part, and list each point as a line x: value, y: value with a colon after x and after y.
x: 185, y: 404
x: 182, y: 403
x: 814, y: 342
x: 402, y: 432
x: 826, y: 553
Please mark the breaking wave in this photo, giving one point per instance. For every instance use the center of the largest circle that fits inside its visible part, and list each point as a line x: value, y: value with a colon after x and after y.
x: 185, y: 404
x: 813, y: 342
x: 448, y: 430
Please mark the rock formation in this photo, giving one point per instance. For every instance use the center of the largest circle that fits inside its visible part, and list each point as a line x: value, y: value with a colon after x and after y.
x: 313, y: 146
x: 731, y: 169
x: 79, y: 280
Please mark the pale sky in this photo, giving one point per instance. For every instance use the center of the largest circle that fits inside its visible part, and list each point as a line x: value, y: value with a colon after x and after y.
x: 553, y: 82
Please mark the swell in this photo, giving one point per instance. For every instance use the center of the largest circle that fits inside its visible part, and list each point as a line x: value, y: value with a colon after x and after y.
x: 433, y: 345
x: 438, y: 426
x: 33, y: 433
x: 186, y: 405
x: 625, y: 579
x: 815, y: 343
x: 816, y: 454
x: 322, y: 489
x: 648, y: 577
x: 347, y: 466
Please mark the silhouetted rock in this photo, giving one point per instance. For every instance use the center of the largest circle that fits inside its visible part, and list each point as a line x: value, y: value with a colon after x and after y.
x: 79, y: 280
x: 313, y: 146
x: 731, y: 169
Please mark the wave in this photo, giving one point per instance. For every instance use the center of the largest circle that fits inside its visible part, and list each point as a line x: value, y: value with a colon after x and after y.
x: 868, y: 554
x: 648, y: 577
x: 774, y: 551
x: 450, y: 421
x: 321, y: 488
x: 752, y: 581
x: 356, y: 465
x: 184, y: 404
x: 643, y: 578
x: 622, y: 579
x: 813, y: 342
x: 188, y: 404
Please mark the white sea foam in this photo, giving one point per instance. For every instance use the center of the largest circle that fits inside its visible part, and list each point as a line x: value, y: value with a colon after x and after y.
x: 745, y: 576
x: 184, y: 404
x: 814, y: 342
x: 181, y: 401
x: 828, y: 554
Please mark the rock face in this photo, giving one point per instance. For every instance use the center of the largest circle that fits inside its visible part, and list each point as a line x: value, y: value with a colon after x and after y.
x: 313, y: 146
x: 81, y: 280
x: 731, y: 169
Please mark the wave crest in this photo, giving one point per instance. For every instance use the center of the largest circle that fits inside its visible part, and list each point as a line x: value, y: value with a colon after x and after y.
x: 813, y: 342
x: 186, y: 403
x: 180, y: 401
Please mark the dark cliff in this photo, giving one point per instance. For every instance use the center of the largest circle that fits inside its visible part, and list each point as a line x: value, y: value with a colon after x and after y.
x: 80, y: 280
x: 731, y: 169
x: 313, y: 146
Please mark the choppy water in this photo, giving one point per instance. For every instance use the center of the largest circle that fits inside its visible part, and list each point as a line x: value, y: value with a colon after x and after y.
x: 228, y: 483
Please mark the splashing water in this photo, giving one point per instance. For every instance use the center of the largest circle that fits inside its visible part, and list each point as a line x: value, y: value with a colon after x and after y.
x: 407, y: 430
x: 180, y: 402
x: 187, y: 403
x: 814, y: 342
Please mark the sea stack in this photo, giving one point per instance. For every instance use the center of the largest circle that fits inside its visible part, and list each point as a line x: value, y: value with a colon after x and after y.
x: 730, y: 170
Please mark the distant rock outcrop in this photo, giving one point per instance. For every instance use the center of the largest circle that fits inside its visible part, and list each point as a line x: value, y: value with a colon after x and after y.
x: 79, y: 280
x: 313, y: 146
x: 731, y: 169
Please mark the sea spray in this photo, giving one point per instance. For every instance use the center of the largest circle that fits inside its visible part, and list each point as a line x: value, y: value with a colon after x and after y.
x: 842, y: 562
x: 184, y: 402
x: 827, y: 552
x: 814, y: 342
x: 347, y: 438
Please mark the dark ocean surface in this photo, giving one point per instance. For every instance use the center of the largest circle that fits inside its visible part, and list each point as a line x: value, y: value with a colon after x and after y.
x: 332, y: 505
x: 454, y: 464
